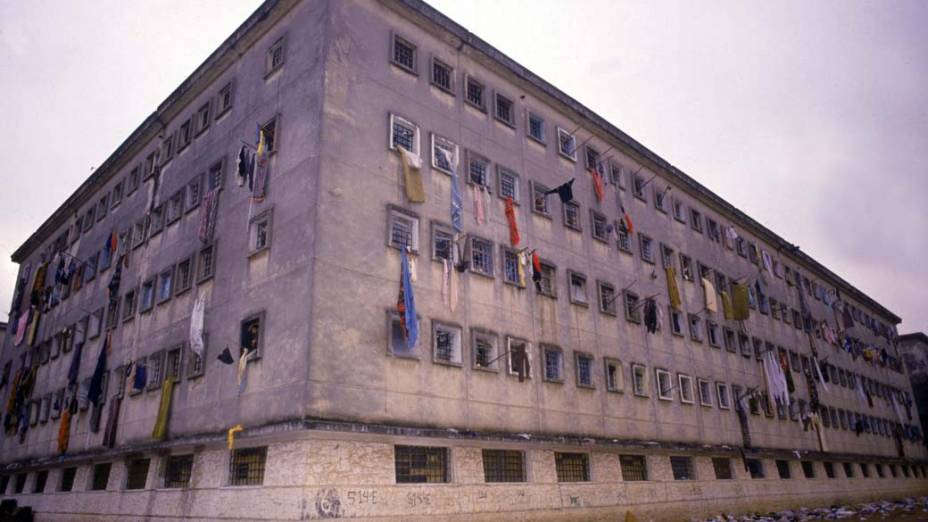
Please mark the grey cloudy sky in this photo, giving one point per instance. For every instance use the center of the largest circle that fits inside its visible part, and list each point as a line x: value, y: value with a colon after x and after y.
x: 810, y: 116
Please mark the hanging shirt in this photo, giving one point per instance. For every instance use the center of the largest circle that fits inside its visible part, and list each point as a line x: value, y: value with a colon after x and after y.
x: 564, y: 191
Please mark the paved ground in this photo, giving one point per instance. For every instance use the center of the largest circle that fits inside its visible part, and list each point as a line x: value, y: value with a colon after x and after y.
x: 906, y: 510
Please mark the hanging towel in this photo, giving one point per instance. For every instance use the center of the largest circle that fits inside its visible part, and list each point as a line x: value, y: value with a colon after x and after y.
x: 112, y: 421
x: 260, y: 168
x: 95, y: 389
x: 727, y: 311
x: 739, y: 305
x: 712, y: 304
x: 452, y: 288
x: 445, y: 282
x: 160, y: 430
x: 564, y: 191
x: 673, y: 292
x: 33, y: 329
x: 522, y: 262
x: 598, y: 187
x: 406, y: 305
x: 412, y: 176
x: 457, y: 204
x: 479, y: 217
x: 22, y: 326
x: 196, y: 325
x: 513, y: 226
x: 64, y: 431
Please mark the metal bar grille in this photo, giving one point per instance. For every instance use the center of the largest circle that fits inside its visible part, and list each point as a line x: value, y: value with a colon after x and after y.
x: 503, y: 466
x: 572, y: 467
x: 682, y: 468
x: 246, y: 467
x: 137, y: 471
x: 419, y: 464
x: 177, y: 471
x: 633, y: 468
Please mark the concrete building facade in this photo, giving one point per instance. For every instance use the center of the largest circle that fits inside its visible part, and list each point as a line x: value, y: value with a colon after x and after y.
x: 339, y: 416
x: 914, y: 350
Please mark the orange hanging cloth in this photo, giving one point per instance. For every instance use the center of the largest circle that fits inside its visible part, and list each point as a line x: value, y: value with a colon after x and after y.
x: 513, y: 226
x: 598, y: 185
x: 64, y: 431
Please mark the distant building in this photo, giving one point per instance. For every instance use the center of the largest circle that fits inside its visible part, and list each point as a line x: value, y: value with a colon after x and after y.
x: 914, y: 350
x: 535, y: 386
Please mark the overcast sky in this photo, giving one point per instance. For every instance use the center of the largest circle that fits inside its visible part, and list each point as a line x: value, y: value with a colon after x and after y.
x: 812, y: 117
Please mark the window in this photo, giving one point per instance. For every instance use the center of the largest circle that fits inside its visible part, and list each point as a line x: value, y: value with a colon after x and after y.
x: 128, y: 305
x: 485, y: 357
x: 508, y: 182
x: 444, y: 154
x: 275, y: 56
x: 147, y: 296
x: 783, y: 469
x: 103, y: 206
x: 20, y: 484
x: 745, y: 343
x: 639, y: 380
x: 682, y: 468
x: 678, y: 214
x: 647, y: 248
x: 695, y: 323
x: 624, y: 241
x: 715, y: 233
x: 660, y: 199
x: 252, y: 334
x: 135, y: 179
x: 446, y: 343
x: 676, y: 322
x: 830, y: 470
x: 404, y: 229
x: 152, y: 163
x: 203, y: 117
x: 600, y: 228
x: 67, y: 479
x: 808, y: 469
x: 696, y: 220
x: 421, y: 464
x: 632, y: 310
x: 172, y: 369
x: 184, y: 276
x: 167, y: 149
x: 478, y: 169
x: 536, y: 127
x: 566, y: 144
x: 607, y: 297
x: 41, y: 477
x: 572, y: 467
x: 667, y: 256
x: 634, y: 467
x: 705, y: 392
x: 505, y: 110
x: 615, y: 173
x: 175, y: 207
x: 112, y: 314
x: 510, y: 266
x: 572, y: 216
x: 755, y: 468
x: 88, y: 219
x: 137, y: 473
x: 214, y: 175
x: 95, y: 323
x: 731, y: 343
x: 721, y: 391
x: 246, y: 466
x: 539, y: 199
x: 184, y: 134
x: 442, y: 75
x: 269, y: 129
x: 195, y: 366
x: 403, y: 133
x: 686, y: 267
x: 481, y: 256
x: 100, y: 476
x: 503, y: 466
x: 474, y: 93
x: 664, y: 384
x: 194, y: 193
x: 546, y: 286
x: 686, y: 388
x: 259, y: 232
x: 398, y: 345
x: 442, y: 243
x: 155, y: 374
x: 90, y: 267
x: 554, y: 363
x: 615, y: 378
x: 722, y: 467
x: 712, y: 332
x: 177, y: 471
x: 865, y: 470
x: 584, y: 363
x: 165, y: 285
x: 577, y: 284
x: 404, y: 54
x: 638, y: 186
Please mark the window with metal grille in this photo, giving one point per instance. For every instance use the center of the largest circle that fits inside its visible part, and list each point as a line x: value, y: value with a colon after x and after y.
x: 705, y: 392
x: 484, y: 350
x: 546, y: 284
x: 41, y: 477
x: 584, y: 364
x: 473, y: 93
x: 624, y: 241
x: 505, y: 110
x: 421, y: 464
x: 206, y: 263
x: 184, y: 276
x: 686, y: 267
x: 607, y: 298
x: 503, y: 466
x: 640, y: 380
x: 404, y: 230
x: 755, y: 468
x: 442, y: 75
x: 830, y: 470
x: 403, y: 133
x: 246, y: 466
x: 510, y: 266
x: 155, y: 370
x: 137, y: 473
x: 536, y: 127
x: 508, y: 183
x: 722, y: 467
x: 638, y: 186
x: 572, y: 216
x: 128, y: 305
x: 676, y: 322
x: 173, y: 368
x: 634, y: 467
x: 695, y: 323
x: 100, y: 476
x: 572, y: 467
x: 712, y: 332
x: 177, y: 471
x: 478, y: 169
x: 615, y: 379
x: 112, y: 313
x: 783, y: 469
x: 685, y: 382
x: 442, y: 242
x: 447, y: 343
x: 67, y: 479
x: 600, y: 226
x: 444, y: 153
x: 632, y: 310
x: 682, y: 468
x: 577, y: 285
x: 808, y: 469
x: 481, y: 256
x: 275, y: 55
x: 554, y: 363
x: 567, y: 144
x: 647, y: 248
x: 539, y: 199
x: 404, y: 54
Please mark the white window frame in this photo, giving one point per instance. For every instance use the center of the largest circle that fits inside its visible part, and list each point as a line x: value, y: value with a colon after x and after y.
x: 528, y: 353
x: 396, y: 119
x: 639, y: 373
x: 398, y: 213
x: 661, y: 374
x: 572, y: 156
x: 707, y: 399
x: 438, y: 142
x: 685, y: 382
x: 618, y: 385
x: 723, y: 395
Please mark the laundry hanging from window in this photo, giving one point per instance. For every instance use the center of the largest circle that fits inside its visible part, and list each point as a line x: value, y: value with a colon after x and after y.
x: 673, y: 292
x: 412, y: 175
x: 712, y: 304
x: 245, y: 167
x: 564, y: 191
x: 406, y: 305
x: 514, y: 238
x: 740, y: 299
x: 209, y: 212
x: 261, y: 166
x: 598, y: 187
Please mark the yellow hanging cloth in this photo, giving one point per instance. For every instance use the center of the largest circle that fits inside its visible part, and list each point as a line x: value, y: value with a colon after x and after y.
x: 230, y: 435
x: 727, y: 311
x: 673, y: 293
x: 412, y: 176
x: 739, y: 305
x: 164, y: 410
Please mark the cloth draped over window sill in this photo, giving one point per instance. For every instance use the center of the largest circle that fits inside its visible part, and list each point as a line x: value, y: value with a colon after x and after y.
x: 412, y: 176
x: 673, y: 291
x: 712, y: 303
x: 160, y: 431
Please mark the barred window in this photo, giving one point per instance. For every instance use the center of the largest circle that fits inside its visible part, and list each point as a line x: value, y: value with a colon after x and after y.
x: 865, y: 470
x: 676, y: 321
x: 404, y: 230
x: 503, y: 466
x: 682, y: 468
x: 177, y: 471
x: 647, y: 248
x: 572, y: 467
x: 505, y: 110
x: 446, y: 343
x: 632, y: 310
x: 546, y: 284
x: 625, y: 241
x: 685, y: 382
x: 567, y: 144
x: 484, y: 350
x: 442, y: 75
x: 783, y: 469
x: 100, y: 476
x: 600, y: 226
x: 481, y: 256
x: 721, y: 391
x: 508, y: 184
x: 554, y: 363
x: 67, y: 479
x: 478, y: 169
x: 572, y: 216
x: 686, y: 267
x: 705, y: 392
x: 536, y: 127
x: 404, y: 54
x: 403, y: 133
x: 41, y: 477
x: 640, y: 380
x: 722, y: 467
x: 474, y: 93
x: 577, y: 285
x: 634, y: 467
x: 615, y: 378
x: 137, y: 473
x: 206, y: 263
x: 444, y: 153
x: 246, y: 466
x: 830, y: 469
x: 421, y: 464
x: 275, y: 56
x: 607, y: 298
x: 20, y: 484
x: 539, y: 199
x: 584, y: 364
x: 510, y: 266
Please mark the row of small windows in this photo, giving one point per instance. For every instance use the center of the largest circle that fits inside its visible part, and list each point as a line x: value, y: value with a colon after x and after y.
x: 431, y: 464
x: 404, y: 54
